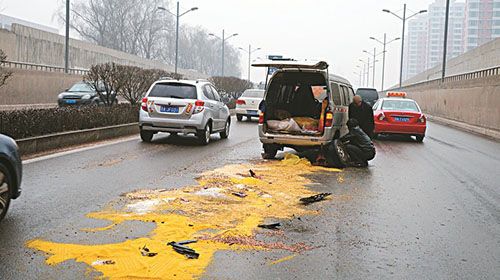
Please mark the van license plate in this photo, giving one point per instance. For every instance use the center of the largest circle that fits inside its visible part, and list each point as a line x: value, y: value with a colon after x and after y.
x: 70, y: 101
x: 169, y: 109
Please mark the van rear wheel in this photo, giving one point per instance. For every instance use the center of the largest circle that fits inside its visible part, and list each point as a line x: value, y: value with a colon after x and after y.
x: 204, y: 134
x: 420, y: 138
x: 239, y: 117
x: 270, y: 151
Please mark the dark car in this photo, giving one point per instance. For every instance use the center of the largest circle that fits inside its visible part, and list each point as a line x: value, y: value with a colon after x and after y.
x: 369, y: 95
x: 81, y: 94
x: 10, y: 173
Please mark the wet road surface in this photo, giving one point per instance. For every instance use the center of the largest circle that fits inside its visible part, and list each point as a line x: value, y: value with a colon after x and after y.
x: 420, y: 211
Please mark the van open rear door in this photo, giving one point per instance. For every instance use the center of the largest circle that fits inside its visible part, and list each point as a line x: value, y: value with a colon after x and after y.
x: 286, y: 64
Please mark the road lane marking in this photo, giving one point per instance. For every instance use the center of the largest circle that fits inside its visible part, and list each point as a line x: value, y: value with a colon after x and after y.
x: 207, y: 212
x: 79, y: 150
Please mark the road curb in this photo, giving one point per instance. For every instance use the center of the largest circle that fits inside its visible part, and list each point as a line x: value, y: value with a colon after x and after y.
x: 491, y: 133
x: 45, y: 143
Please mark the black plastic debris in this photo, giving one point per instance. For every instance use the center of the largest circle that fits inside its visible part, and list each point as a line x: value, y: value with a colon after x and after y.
x: 184, y: 250
x: 146, y: 253
x: 314, y: 198
x: 270, y: 226
x: 252, y: 174
x: 185, y: 242
x: 240, y: 194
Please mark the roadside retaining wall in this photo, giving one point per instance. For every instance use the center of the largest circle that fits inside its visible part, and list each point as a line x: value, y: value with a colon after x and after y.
x: 30, y: 45
x: 35, y: 87
x: 475, y: 102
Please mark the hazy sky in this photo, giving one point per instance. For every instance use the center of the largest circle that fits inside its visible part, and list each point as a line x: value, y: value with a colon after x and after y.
x: 331, y: 30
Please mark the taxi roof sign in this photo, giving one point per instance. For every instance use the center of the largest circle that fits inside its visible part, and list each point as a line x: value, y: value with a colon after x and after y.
x: 401, y: 94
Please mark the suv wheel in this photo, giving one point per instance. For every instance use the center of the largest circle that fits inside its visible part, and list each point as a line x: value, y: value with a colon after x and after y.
x: 239, y: 117
x: 270, y: 151
x: 204, y: 135
x: 5, y: 182
x: 147, y: 136
x: 225, y: 133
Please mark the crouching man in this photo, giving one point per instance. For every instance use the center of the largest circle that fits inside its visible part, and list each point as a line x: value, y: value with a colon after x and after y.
x: 358, y: 144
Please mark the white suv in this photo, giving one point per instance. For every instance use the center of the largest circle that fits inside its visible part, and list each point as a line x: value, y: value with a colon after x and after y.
x: 184, y: 106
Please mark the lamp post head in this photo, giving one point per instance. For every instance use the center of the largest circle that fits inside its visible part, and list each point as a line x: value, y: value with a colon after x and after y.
x: 235, y: 34
x: 194, y: 9
x: 372, y: 38
x: 395, y: 39
x: 386, y: 11
x: 211, y: 34
x: 162, y: 8
x: 422, y: 11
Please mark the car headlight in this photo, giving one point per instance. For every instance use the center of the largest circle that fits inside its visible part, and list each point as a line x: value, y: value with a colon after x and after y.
x: 60, y: 96
x: 86, y: 96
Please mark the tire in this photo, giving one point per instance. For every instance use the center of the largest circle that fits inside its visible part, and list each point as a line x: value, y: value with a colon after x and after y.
x: 173, y: 134
x: 147, y: 136
x: 270, y: 151
x: 204, y: 134
x: 239, y: 118
x: 420, y: 138
x: 249, y: 119
x: 342, y: 153
x: 5, y: 196
x: 225, y: 134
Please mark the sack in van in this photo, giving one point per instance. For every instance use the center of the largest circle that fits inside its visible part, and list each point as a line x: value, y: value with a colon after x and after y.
x: 288, y: 125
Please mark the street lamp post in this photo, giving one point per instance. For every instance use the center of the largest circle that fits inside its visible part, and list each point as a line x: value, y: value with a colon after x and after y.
x: 384, y: 43
x: 445, y: 43
x: 404, y: 18
x: 223, y: 40
x: 177, y: 16
x: 250, y: 51
x: 66, y: 44
x: 374, y: 54
x: 366, y: 73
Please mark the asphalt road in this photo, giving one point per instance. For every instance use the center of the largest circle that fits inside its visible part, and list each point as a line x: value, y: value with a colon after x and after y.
x: 420, y: 211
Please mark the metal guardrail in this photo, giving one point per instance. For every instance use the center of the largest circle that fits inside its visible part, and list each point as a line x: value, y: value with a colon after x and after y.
x: 488, y: 72
x: 42, y: 67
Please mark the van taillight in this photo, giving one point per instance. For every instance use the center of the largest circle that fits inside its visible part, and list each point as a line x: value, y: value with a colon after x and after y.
x: 329, y: 119
x: 144, y: 104
x: 261, y: 118
x: 240, y: 102
x: 199, y: 103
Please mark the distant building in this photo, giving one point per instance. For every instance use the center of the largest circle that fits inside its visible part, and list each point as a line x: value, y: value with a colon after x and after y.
x: 482, y: 23
x: 416, y: 47
x: 436, y: 17
x: 7, y: 21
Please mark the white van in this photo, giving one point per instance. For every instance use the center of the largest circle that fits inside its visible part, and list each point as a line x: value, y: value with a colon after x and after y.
x: 304, y: 107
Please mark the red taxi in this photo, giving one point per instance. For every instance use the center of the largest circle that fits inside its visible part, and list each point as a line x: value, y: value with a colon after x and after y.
x: 397, y: 114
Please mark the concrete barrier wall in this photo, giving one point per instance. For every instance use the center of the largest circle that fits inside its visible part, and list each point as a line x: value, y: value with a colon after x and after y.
x: 35, y: 87
x: 26, y: 44
x: 475, y: 102
x: 482, y: 57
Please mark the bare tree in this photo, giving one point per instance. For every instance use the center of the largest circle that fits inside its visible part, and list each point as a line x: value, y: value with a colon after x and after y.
x: 102, y: 78
x: 138, y: 27
x: 4, y: 73
x: 231, y: 86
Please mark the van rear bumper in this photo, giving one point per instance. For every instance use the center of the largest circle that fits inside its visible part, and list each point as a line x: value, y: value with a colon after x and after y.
x: 296, y: 140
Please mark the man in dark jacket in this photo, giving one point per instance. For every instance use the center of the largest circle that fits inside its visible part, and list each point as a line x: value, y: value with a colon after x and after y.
x: 358, y: 145
x: 362, y: 112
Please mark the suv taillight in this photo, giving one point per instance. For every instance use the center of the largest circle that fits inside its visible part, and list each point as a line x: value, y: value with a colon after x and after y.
x: 240, y: 102
x: 144, y: 104
x: 328, y: 119
x: 199, y: 106
x: 422, y: 119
